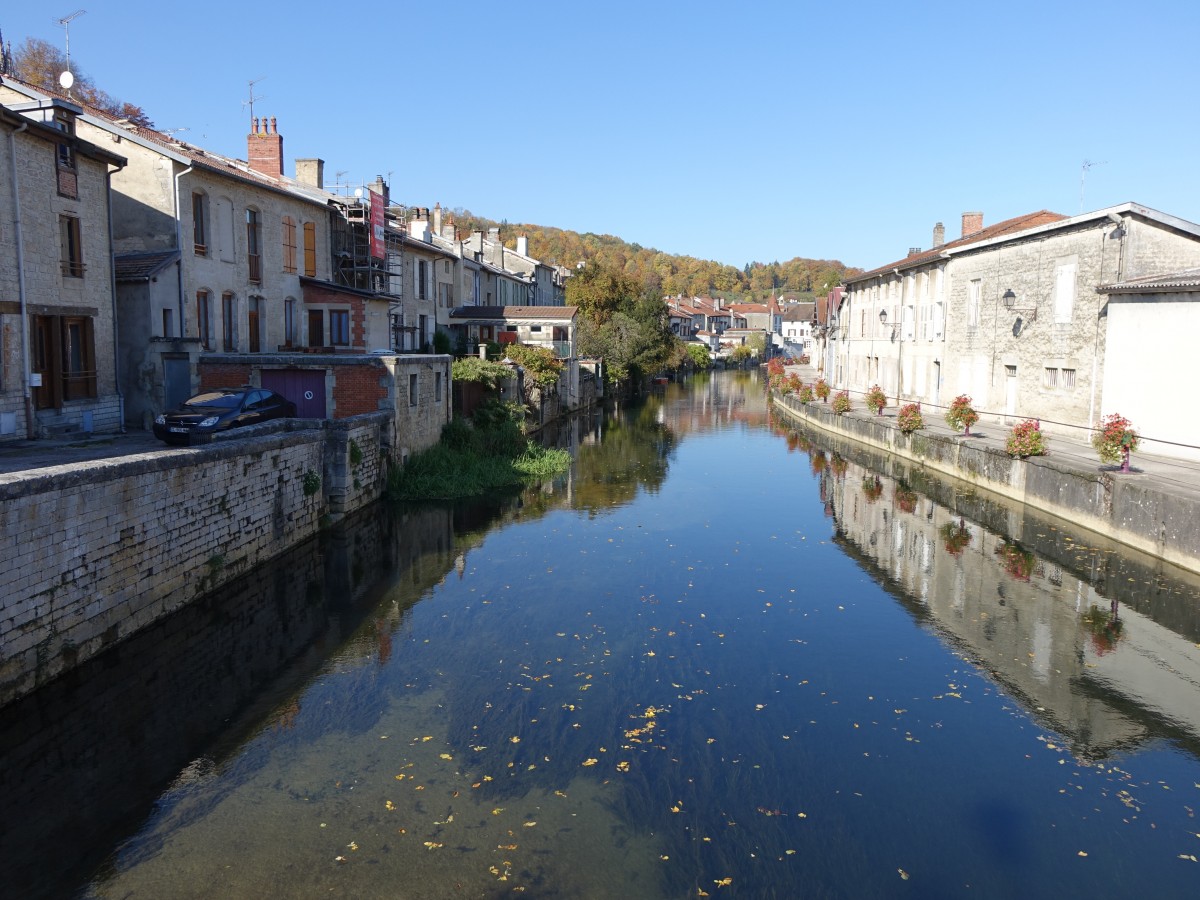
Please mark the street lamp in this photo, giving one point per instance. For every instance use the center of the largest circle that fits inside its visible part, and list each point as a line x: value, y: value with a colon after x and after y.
x: 1010, y: 303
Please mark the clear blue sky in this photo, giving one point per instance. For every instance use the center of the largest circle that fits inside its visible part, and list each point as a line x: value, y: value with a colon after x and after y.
x: 732, y: 131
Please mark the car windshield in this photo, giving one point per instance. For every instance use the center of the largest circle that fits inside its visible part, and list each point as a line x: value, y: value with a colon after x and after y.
x: 217, y: 401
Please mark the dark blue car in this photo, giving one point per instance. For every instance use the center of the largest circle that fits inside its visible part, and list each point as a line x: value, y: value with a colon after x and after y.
x: 218, y: 410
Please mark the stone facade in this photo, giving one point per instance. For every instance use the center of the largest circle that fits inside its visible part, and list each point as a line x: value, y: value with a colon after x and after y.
x: 1008, y: 315
x: 56, y: 259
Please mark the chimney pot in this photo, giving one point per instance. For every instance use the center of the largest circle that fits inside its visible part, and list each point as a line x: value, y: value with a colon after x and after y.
x: 972, y: 222
x: 265, y: 151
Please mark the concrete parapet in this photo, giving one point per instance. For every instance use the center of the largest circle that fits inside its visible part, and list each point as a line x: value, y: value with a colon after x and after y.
x: 1155, y: 515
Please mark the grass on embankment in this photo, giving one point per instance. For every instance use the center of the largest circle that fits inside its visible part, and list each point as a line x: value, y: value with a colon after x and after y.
x: 475, y: 458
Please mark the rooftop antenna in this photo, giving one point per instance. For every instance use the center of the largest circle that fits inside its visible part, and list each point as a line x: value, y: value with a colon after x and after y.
x: 67, y: 79
x: 1083, y: 170
x: 250, y: 102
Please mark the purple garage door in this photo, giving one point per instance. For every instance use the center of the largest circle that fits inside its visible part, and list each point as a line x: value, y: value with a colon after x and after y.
x: 304, y: 387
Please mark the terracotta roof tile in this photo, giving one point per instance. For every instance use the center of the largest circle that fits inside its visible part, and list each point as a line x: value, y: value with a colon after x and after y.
x: 1000, y: 229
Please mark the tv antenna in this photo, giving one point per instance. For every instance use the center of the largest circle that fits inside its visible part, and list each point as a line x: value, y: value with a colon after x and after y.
x: 67, y: 78
x: 1083, y: 170
x: 250, y: 102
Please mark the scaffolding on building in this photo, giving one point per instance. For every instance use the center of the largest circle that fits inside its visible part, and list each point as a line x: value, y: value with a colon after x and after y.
x: 356, y: 267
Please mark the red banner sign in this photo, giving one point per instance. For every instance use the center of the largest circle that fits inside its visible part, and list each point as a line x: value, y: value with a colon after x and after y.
x: 378, y: 248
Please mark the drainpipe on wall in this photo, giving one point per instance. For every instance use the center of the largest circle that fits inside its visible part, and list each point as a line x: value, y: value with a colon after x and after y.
x: 179, y: 247
x: 20, y: 247
x: 112, y: 287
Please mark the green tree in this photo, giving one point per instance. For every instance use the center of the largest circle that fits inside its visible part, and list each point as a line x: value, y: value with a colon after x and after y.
x: 698, y: 354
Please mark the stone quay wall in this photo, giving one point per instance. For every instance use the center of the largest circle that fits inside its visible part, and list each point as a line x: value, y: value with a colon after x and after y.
x: 1137, y: 512
x: 91, y: 553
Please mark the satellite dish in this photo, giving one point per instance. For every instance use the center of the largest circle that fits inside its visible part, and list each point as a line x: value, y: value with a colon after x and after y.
x: 67, y: 80
x: 358, y: 192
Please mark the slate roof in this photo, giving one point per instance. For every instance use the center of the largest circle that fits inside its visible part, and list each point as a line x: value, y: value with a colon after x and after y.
x: 142, y: 266
x: 515, y: 313
x: 1187, y: 280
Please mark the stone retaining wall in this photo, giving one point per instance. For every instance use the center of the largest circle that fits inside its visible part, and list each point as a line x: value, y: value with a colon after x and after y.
x: 95, y: 551
x: 1133, y: 511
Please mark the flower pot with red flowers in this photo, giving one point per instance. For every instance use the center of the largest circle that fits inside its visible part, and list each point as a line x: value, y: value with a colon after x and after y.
x: 909, y: 418
x: 841, y: 402
x: 821, y: 389
x: 1026, y: 439
x: 961, y: 415
x: 1115, y: 440
x: 876, y: 399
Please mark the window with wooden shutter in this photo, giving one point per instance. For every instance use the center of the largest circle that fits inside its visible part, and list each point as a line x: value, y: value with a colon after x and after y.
x: 310, y: 249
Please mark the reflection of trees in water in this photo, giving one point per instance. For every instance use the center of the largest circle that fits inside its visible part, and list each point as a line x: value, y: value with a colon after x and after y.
x: 634, y: 453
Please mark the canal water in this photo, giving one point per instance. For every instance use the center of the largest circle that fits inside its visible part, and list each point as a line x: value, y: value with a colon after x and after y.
x: 719, y: 658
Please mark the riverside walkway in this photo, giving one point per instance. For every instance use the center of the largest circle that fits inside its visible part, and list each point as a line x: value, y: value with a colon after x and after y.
x: 1155, y: 507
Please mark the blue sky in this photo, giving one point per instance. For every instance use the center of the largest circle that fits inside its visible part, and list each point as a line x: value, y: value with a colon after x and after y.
x: 727, y: 131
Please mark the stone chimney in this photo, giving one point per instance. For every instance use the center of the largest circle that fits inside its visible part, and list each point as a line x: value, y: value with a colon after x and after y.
x: 264, y: 148
x: 523, y: 245
x: 311, y: 172
x: 437, y: 219
x: 972, y: 223
x: 939, y: 235
x: 914, y: 251
x: 380, y: 187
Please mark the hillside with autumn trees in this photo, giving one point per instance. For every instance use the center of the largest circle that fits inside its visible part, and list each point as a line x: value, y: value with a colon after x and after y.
x: 665, y: 273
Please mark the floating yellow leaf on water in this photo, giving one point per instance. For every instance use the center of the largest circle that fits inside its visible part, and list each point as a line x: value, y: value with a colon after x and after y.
x: 591, y: 761
x: 428, y: 737
x: 497, y: 810
x: 506, y: 846
x: 1083, y: 853
x: 759, y: 706
x: 514, y: 740
x: 678, y: 807
x: 401, y: 777
x: 664, y: 858
x: 389, y: 805
x: 560, y: 794
x: 790, y: 852
x: 723, y: 882
x: 650, y: 653
x: 802, y: 815
x: 445, y: 756
x: 622, y: 766
x: 903, y: 874
x: 529, y: 824
x: 430, y: 845
x: 487, y: 777
x: 712, y: 740
x: 352, y: 845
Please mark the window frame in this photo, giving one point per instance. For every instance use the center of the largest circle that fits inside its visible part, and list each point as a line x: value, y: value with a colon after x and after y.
x: 339, y: 327
x: 70, y: 237
x: 200, y: 223
x: 254, y: 245
x: 289, y: 244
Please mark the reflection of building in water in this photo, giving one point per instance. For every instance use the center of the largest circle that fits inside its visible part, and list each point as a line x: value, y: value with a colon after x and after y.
x: 1106, y: 678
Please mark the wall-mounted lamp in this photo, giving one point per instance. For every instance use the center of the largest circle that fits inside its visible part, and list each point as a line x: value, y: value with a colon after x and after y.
x: 883, y: 321
x: 1010, y: 303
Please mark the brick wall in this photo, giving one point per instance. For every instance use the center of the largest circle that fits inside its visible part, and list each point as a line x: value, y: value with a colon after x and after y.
x: 223, y: 375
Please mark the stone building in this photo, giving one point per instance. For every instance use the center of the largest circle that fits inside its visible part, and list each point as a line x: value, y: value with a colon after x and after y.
x: 1008, y: 314
x: 58, y: 371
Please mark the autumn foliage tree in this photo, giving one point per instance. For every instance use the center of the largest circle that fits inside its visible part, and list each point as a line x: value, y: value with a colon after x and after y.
x: 39, y: 63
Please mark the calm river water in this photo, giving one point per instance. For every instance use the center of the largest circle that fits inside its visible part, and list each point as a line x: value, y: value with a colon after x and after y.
x: 719, y: 659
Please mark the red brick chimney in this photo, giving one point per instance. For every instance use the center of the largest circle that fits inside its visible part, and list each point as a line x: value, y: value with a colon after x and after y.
x: 972, y: 223
x: 264, y: 149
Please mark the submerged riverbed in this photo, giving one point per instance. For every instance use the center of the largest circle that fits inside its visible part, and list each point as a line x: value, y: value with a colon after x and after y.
x: 716, y: 659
